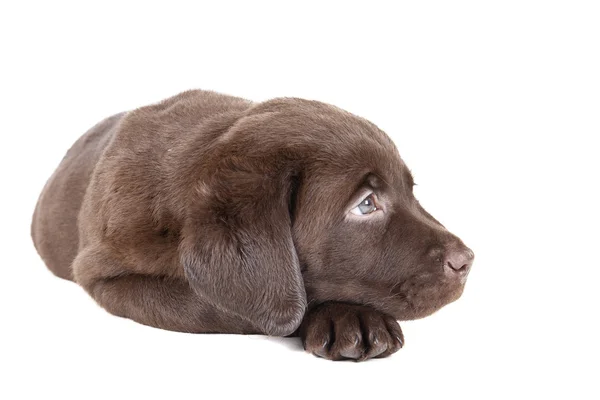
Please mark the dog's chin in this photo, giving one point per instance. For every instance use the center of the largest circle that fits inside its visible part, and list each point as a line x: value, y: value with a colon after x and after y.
x: 425, y: 294
x: 415, y: 297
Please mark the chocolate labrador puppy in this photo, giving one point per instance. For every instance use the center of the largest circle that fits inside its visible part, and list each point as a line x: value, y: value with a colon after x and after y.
x: 211, y: 213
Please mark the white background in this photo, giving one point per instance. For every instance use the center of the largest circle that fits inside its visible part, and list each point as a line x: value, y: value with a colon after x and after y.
x: 495, y: 106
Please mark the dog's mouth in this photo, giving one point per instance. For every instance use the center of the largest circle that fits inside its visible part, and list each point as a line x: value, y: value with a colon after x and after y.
x: 416, y: 296
x: 423, y: 294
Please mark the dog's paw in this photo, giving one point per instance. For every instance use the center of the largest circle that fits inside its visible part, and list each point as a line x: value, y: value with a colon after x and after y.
x: 340, y: 331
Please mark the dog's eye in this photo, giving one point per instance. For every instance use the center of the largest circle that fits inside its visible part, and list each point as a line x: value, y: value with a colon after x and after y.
x: 366, y: 206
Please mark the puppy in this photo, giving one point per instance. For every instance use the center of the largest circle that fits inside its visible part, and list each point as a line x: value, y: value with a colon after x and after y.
x: 211, y: 213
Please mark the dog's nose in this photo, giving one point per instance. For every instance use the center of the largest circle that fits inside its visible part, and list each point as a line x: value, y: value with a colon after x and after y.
x: 459, y: 260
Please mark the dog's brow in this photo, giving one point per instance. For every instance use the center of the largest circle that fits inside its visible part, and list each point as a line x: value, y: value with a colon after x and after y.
x: 375, y: 181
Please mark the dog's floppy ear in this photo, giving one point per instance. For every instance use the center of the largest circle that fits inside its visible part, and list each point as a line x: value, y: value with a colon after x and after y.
x: 237, y: 248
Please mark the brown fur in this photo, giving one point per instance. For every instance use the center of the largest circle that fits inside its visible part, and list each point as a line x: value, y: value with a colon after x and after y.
x: 210, y: 213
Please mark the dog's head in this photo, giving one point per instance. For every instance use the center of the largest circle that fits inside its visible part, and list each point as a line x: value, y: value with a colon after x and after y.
x: 300, y: 202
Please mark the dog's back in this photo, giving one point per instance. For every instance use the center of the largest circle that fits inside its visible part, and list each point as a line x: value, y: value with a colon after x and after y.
x: 55, y: 229
x: 54, y: 226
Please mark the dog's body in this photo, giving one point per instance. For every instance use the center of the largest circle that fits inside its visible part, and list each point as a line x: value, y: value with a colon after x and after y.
x: 210, y: 213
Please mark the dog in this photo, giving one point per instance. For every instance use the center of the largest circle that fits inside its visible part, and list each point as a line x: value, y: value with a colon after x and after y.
x: 211, y: 213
